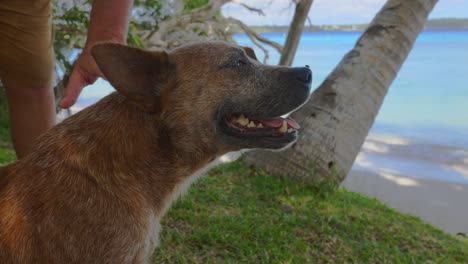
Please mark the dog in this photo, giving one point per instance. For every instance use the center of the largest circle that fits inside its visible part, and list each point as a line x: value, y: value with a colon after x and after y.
x: 95, y: 186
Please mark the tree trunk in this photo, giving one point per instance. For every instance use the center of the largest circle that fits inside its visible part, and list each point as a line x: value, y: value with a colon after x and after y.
x: 337, y: 119
x: 295, y: 32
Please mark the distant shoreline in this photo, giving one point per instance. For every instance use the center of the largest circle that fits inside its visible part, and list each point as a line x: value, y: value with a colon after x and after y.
x: 432, y: 24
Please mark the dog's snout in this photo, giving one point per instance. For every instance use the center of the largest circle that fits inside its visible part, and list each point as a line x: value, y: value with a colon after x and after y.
x: 303, y: 74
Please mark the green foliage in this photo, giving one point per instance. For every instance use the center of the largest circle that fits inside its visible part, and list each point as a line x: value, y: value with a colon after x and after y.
x: 242, y: 215
x: 155, y: 4
x: 132, y: 38
x: 6, y: 156
x: 192, y: 4
x: 70, y: 24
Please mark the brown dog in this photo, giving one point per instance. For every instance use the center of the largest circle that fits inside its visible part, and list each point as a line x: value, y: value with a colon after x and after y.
x: 96, y: 185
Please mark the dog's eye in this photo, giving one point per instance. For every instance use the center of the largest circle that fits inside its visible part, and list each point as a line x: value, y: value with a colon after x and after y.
x: 241, y: 62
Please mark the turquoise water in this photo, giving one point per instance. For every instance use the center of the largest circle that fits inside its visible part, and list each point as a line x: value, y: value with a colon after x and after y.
x: 428, y: 101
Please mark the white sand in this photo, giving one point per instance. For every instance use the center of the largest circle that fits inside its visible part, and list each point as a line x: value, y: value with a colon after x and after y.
x: 442, y: 204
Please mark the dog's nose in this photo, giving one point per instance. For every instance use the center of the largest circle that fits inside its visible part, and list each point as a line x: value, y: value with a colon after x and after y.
x: 303, y: 74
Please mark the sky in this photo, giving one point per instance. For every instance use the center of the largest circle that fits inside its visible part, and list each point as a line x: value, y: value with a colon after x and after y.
x: 331, y: 12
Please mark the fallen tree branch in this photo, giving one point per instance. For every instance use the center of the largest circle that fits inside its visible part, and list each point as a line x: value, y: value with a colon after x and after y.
x: 250, y: 8
x: 205, y: 19
x: 254, y: 34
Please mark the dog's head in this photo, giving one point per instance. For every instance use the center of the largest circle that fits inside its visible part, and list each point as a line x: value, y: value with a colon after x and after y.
x: 214, y: 92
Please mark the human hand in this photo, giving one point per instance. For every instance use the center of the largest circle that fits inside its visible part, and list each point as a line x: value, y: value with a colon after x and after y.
x: 109, y: 23
x: 85, y: 72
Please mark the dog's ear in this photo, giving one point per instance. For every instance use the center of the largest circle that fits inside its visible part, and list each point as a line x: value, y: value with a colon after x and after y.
x: 135, y: 73
x: 250, y: 52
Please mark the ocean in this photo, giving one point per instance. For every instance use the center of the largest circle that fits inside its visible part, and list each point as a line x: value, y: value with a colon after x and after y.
x: 421, y: 130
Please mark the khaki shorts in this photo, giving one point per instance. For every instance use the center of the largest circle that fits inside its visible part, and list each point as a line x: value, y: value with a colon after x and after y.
x: 26, y: 41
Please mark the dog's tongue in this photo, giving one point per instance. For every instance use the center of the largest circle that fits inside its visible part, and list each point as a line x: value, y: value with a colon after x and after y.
x: 292, y: 122
x: 277, y: 122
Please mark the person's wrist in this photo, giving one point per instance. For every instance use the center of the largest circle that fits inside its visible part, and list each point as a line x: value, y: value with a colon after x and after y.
x: 104, y: 37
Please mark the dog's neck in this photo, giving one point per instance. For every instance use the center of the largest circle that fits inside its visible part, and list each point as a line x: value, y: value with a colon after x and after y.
x: 131, y: 150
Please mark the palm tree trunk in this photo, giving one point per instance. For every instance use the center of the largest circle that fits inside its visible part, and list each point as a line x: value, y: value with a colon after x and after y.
x: 295, y: 32
x: 337, y: 119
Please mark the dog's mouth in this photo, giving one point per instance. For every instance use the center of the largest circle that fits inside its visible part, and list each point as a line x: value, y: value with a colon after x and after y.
x: 252, y: 131
x: 278, y: 127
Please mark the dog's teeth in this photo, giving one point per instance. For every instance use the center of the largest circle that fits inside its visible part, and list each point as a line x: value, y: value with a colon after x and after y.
x: 251, y: 124
x: 242, y: 120
x: 260, y: 125
x: 284, y: 127
x: 290, y: 130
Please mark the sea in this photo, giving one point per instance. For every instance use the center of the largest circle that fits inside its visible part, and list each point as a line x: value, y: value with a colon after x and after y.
x: 421, y: 130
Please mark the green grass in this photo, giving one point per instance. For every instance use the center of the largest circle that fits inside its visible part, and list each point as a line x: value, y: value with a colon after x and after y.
x: 6, y: 153
x: 4, y: 129
x: 238, y: 214
x: 6, y: 156
x: 241, y: 215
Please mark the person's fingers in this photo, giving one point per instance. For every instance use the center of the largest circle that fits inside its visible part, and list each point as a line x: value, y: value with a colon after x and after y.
x: 85, y: 72
x: 76, y: 83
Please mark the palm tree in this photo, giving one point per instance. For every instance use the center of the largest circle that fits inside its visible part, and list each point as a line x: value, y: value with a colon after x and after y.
x: 337, y: 119
x: 295, y: 31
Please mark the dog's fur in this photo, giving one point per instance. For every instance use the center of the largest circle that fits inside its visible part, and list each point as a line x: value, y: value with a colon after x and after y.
x: 96, y: 186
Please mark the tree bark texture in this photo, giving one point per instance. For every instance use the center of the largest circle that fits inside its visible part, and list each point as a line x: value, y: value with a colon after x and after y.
x: 295, y: 32
x: 337, y: 118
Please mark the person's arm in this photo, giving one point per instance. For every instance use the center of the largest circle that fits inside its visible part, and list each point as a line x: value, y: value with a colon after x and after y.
x: 109, y: 23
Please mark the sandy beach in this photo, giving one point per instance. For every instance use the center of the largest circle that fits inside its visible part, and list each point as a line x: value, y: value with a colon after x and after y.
x: 442, y: 204
x: 428, y: 181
